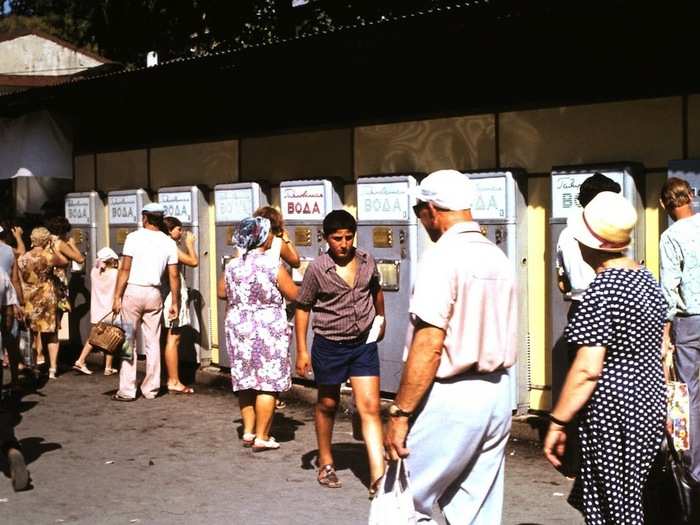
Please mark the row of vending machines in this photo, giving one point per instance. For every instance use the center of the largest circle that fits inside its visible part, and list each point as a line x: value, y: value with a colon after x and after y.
x: 387, y: 228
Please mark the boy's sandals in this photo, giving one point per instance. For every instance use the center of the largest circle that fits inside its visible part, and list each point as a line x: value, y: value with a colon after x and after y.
x: 374, y: 487
x: 110, y: 371
x: 261, y: 445
x: 328, y: 478
x: 248, y: 439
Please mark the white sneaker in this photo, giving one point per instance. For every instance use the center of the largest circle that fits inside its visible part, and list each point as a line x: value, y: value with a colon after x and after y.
x: 52, y: 373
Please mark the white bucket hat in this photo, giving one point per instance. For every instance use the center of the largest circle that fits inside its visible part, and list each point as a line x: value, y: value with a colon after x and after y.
x: 107, y: 253
x: 606, y: 223
x: 447, y: 189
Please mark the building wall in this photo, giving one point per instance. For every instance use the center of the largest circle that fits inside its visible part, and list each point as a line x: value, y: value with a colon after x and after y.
x: 35, y: 55
x: 208, y: 163
x: 651, y: 132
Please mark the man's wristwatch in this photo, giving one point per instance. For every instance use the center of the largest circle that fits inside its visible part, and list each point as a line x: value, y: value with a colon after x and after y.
x: 395, y: 411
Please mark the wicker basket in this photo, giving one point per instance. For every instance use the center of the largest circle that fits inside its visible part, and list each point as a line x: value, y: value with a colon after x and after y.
x: 107, y: 336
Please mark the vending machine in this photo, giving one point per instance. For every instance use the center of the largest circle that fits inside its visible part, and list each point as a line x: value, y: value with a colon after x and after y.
x: 566, y: 182
x: 124, y: 215
x: 232, y: 204
x: 189, y: 205
x: 388, y: 229
x: 86, y: 213
x: 500, y: 208
x: 304, y: 204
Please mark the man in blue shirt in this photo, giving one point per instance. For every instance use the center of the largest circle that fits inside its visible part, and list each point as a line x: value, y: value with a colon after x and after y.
x: 679, y: 249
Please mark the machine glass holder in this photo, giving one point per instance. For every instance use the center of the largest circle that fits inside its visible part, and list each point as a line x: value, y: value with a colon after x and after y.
x: 389, y: 273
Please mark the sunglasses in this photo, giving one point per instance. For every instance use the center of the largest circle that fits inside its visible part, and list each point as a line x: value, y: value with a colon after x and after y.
x: 418, y: 207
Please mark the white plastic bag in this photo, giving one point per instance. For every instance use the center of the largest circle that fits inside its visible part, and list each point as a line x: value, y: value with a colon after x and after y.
x: 393, y: 504
x: 25, y: 346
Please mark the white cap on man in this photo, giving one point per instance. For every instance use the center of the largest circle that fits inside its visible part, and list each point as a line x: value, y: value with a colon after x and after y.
x: 153, y: 207
x: 447, y: 189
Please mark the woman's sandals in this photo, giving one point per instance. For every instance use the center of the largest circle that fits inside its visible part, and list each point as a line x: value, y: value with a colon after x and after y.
x: 261, y: 445
x: 328, y: 478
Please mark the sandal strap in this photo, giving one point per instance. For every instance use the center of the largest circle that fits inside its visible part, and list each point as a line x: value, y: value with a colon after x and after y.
x: 327, y: 474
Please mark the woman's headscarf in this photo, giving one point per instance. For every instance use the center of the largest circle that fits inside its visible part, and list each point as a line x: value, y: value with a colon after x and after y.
x: 252, y: 232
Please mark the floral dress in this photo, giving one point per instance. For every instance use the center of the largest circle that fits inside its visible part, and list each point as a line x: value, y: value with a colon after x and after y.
x: 257, y: 334
x: 38, y: 285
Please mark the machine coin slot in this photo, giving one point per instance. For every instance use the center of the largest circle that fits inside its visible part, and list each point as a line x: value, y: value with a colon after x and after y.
x: 389, y: 273
x: 500, y: 235
x: 302, y: 236
x: 382, y: 238
x: 402, y: 237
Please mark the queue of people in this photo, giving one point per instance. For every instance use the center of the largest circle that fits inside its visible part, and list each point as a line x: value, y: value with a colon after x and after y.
x: 461, y: 342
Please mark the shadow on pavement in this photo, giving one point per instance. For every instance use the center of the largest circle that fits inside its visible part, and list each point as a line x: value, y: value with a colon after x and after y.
x: 352, y: 456
x: 32, y: 449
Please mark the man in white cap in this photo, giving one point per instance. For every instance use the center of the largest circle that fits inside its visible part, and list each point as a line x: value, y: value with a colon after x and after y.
x: 455, y: 388
x: 148, y: 252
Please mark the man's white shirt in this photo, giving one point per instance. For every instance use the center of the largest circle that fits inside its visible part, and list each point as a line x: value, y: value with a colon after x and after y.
x: 151, y: 251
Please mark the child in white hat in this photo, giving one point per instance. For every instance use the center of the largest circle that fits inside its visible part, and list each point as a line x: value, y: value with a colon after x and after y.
x: 103, y: 282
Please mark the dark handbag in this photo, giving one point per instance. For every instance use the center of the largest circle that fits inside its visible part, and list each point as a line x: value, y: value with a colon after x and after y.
x: 671, y: 496
x: 107, y: 336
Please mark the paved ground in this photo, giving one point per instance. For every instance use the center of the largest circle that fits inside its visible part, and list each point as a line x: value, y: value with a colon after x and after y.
x: 177, y: 459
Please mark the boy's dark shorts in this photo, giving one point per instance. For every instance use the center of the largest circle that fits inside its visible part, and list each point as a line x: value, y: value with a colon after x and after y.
x: 334, y: 362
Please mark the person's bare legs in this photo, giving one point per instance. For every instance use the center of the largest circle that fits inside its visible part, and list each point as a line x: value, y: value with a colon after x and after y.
x: 264, y: 412
x: 11, y: 342
x: 172, y: 360
x: 109, y: 361
x: 326, y: 406
x: 366, y: 390
x: 40, y: 358
x: 246, y: 401
x: 51, y: 340
x: 83, y: 355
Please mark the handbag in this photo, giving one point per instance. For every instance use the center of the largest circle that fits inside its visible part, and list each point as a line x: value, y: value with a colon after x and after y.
x: 671, y: 496
x: 677, y: 409
x: 393, y: 504
x: 107, y: 336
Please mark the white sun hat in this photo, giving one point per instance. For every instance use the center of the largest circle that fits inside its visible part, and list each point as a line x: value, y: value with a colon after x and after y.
x: 107, y: 253
x: 447, y: 189
x: 606, y: 223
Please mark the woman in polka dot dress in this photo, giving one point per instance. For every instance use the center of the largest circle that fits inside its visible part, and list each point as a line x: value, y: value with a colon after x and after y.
x: 616, y: 383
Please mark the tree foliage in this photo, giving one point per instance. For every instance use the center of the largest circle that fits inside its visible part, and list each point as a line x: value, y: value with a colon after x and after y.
x: 126, y: 30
